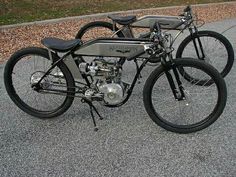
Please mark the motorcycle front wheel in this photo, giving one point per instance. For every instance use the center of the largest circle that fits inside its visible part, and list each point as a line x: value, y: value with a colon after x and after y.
x: 202, y: 105
x: 217, y: 50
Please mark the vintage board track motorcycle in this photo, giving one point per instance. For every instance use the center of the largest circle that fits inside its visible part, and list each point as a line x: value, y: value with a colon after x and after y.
x: 183, y: 95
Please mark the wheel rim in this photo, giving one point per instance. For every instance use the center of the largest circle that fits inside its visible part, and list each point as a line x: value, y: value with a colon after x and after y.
x: 197, y: 108
x: 215, y: 52
x: 27, y: 70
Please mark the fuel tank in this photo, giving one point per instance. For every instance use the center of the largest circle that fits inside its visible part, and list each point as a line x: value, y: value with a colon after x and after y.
x: 113, y: 47
x: 166, y: 22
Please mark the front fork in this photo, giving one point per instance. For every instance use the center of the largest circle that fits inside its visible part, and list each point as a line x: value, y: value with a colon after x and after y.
x: 176, y: 87
x: 199, y: 51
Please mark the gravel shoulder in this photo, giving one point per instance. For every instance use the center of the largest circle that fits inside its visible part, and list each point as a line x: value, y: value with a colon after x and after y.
x: 12, y: 39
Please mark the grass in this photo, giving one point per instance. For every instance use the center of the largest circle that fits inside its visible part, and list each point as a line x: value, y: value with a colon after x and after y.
x: 18, y: 11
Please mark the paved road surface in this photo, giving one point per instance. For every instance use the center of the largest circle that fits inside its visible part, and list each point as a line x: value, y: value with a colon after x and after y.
x: 128, y: 143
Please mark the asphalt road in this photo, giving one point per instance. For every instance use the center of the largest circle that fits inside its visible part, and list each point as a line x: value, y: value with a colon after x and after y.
x: 128, y: 143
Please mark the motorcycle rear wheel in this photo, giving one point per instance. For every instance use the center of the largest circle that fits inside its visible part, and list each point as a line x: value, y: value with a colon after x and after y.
x: 26, y: 67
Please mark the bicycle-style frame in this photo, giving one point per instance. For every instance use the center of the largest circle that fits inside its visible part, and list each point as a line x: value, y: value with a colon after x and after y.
x: 179, y: 23
x: 131, y: 49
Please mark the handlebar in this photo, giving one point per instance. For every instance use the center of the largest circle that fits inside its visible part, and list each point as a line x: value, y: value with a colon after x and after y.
x: 187, y: 13
x: 156, y: 27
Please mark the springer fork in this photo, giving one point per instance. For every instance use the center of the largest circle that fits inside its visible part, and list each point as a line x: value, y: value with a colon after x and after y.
x: 178, y: 91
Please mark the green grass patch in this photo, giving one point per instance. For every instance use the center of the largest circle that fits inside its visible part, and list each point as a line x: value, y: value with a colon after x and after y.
x: 18, y: 11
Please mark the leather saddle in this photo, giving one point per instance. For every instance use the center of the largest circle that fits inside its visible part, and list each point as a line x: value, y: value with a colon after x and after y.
x: 61, y: 45
x: 123, y: 20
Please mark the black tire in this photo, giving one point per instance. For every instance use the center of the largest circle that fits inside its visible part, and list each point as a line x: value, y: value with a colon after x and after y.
x: 30, y: 101
x: 154, y: 61
x: 97, y: 24
x: 225, y: 49
x: 209, y: 112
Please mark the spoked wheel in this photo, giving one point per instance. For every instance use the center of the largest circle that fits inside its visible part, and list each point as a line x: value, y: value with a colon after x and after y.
x: 201, y: 106
x: 24, y: 69
x: 216, y: 50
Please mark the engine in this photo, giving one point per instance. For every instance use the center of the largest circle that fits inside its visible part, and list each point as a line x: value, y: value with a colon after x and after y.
x: 106, y: 79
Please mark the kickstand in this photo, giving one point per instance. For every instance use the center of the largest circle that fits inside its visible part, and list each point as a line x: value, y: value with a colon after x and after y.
x: 92, y: 107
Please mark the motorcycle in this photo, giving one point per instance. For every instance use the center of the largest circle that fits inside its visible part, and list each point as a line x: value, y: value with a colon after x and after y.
x: 209, y: 46
x: 181, y: 95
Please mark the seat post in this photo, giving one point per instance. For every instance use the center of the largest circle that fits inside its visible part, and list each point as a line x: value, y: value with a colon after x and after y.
x: 113, y: 25
x: 127, y: 31
x: 50, y: 55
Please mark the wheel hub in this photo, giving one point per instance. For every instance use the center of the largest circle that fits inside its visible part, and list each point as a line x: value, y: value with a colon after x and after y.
x: 35, y: 78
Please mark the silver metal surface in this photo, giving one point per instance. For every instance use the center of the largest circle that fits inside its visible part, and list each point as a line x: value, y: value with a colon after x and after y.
x: 36, y: 77
x: 70, y: 63
x: 89, y: 93
x: 45, y: 83
x: 83, y: 67
x: 111, y: 48
x: 167, y: 22
x: 113, y: 93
